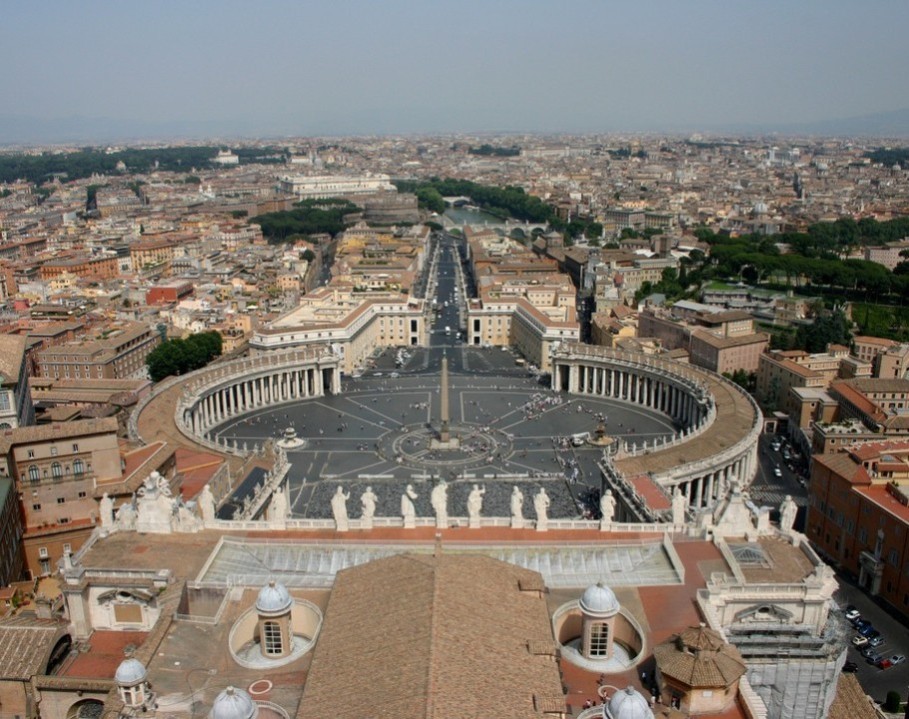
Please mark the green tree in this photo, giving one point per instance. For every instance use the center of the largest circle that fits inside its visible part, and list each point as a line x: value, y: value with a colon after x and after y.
x: 829, y: 328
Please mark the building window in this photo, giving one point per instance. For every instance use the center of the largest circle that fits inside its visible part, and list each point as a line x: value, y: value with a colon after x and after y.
x: 863, y: 535
x: 75, y: 447
x: 31, y: 454
x: 57, y: 470
x: 81, y: 495
x: 599, y: 640
x: 78, y: 467
x: 893, y: 558
x: 53, y: 451
x: 34, y: 475
x: 272, y: 633
x: 42, y: 553
x: 36, y: 507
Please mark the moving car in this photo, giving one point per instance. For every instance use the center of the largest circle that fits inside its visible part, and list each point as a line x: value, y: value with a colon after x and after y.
x: 777, y: 472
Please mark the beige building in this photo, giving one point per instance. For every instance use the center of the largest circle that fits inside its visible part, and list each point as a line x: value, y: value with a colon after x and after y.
x: 56, y: 468
x: 353, y: 323
x: 116, y: 353
x: 781, y: 370
x: 723, y: 341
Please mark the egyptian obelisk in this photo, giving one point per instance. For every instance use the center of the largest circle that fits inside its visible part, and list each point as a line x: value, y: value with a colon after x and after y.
x: 444, y: 434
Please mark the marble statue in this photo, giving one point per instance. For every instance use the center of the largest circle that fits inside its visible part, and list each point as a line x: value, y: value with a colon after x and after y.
x: 407, y: 509
x: 607, y: 509
x: 517, y: 508
x: 207, y: 505
x: 185, y: 518
x: 368, y: 504
x: 126, y: 516
x: 438, y: 498
x: 788, y: 510
x: 339, y: 509
x: 541, y: 507
x: 475, y: 505
x: 107, y: 511
x: 679, y: 506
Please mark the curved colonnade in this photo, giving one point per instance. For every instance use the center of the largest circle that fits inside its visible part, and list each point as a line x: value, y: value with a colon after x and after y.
x: 211, y: 397
x: 721, y: 424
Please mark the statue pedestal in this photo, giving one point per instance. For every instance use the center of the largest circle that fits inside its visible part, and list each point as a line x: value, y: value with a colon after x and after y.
x: 542, y: 525
x: 410, y: 522
x: 447, y: 444
x: 473, y: 522
x: 517, y: 523
x: 342, y: 525
x: 605, y: 526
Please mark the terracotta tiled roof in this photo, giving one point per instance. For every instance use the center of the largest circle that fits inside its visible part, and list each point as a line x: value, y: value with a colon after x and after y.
x: 850, y: 701
x: 25, y: 646
x: 698, y: 657
x: 433, y: 636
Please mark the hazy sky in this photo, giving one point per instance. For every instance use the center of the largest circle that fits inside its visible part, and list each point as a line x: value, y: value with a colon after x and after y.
x: 387, y: 66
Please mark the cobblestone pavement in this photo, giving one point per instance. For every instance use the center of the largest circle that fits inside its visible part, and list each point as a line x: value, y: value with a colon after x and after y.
x: 378, y: 433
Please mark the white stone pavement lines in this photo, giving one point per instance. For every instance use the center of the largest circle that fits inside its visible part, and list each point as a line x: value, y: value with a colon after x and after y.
x: 377, y: 412
x: 363, y: 470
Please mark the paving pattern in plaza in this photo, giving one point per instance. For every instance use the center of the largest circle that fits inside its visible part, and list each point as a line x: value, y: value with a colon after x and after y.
x: 250, y: 563
x: 378, y: 434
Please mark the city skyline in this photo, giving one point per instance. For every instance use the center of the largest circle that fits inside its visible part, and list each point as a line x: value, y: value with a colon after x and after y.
x: 405, y: 67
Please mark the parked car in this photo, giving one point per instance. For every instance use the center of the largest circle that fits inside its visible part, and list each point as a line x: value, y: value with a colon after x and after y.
x: 884, y: 664
x: 897, y: 658
x: 850, y: 667
x: 868, y: 631
x: 777, y: 472
x: 876, y: 641
x: 860, y: 624
x: 859, y: 641
x: 852, y: 613
x: 872, y: 655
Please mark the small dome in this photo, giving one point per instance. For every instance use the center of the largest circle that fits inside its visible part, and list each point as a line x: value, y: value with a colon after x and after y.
x: 628, y: 704
x: 130, y: 672
x: 760, y: 208
x: 273, y: 598
x: 233, y: 704
x: 599, y: 600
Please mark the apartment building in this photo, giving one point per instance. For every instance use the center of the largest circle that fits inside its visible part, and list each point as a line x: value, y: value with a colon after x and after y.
x: 111, y: 353
x: 858, y: 516
x: 55, y: 468
x: 721, y: 341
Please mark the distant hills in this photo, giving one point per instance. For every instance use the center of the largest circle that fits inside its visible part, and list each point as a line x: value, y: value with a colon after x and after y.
x: 25, y: 130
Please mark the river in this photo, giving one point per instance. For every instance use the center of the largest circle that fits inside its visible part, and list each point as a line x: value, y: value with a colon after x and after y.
x: 465, y: 216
